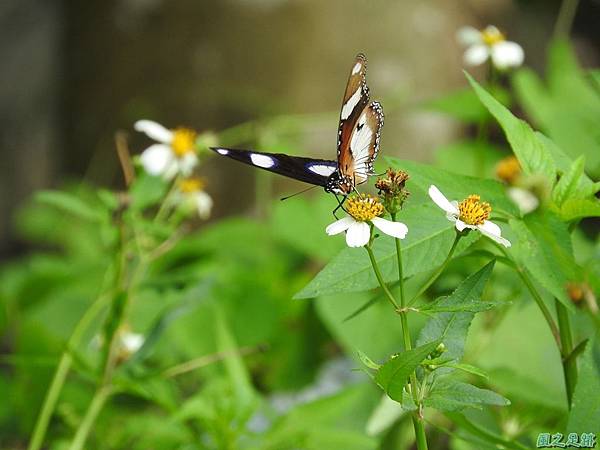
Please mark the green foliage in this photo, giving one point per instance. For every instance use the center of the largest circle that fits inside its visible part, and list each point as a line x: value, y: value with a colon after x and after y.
x: 451, y: 395
x: 565, y: 106
x: 392, y: 376
x: 452, y: 327
x: 585, y: 411
x: 528, y: 148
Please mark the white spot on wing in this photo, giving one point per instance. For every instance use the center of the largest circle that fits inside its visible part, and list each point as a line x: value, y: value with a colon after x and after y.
x: 222, y: 151
x: 356, y: 68
x: 360, y: 144
x: 262, y: 160
x: 351, y: 104
x: 321, y: 169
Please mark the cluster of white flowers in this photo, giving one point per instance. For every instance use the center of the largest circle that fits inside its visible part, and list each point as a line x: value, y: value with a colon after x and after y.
x: 174, y: 154
x: 364, y: 212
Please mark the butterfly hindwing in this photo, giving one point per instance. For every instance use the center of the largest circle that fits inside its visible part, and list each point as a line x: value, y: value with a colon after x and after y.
x: 363, y: 147
x: 308, y: 170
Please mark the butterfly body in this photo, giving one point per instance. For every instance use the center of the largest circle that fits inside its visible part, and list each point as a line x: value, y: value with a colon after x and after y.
x: 359, y: 133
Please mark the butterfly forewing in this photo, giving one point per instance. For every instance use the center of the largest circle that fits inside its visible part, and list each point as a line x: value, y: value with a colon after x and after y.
x: 360, y: 126
x: 356, y: 98
x: 313, y: 171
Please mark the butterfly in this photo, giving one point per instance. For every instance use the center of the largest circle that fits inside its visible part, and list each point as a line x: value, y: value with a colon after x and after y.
x: 358, y: 138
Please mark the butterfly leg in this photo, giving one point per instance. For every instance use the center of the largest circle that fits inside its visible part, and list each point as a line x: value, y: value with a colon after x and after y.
x: 340, y: 204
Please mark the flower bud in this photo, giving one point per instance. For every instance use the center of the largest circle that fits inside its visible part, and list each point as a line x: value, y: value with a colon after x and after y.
x: 392, y: 190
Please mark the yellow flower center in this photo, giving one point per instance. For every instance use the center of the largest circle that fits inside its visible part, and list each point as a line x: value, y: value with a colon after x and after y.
x: 474, y: 212
x: 491, y: 36
x: 191, y: 185
x: 508, y: 169
x: 364, y: 207
x: 183, y: 142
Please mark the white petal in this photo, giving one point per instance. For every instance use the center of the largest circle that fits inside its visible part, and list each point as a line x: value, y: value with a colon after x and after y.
x: 441, y: 200
x: 358, y: 234
x: 460, y: 225
x: 394, y: 229
x: 339, y: 226
x: 154, y: 130
x: 468, y: 36
x: 507, y: 54
x: 204, y: 204
x: 476, y: 54
x: 524, y: 199
x: 157, y: 158
x: 187, y: 163
x: 132, y: 342
x: 494, y: 232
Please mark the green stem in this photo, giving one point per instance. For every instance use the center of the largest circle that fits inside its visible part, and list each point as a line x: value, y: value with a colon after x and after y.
x: 380, y: 279
x: 565, y: 18
x: 100, y: 397
x: 566, y: 340
x: 535, y: 294
x: 543, y: 308
x: 420, y: 436
x: 60, y: 375
x: 438, y: 272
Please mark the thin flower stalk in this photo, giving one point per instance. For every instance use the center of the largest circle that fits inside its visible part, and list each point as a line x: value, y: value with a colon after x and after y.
x: 438, y: 271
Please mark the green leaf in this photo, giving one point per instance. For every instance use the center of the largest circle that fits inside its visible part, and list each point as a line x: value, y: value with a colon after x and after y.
x: 69, y: 203
x: 529, y: 150
x: 451, y: 328
x: 234, y: 364
x: 568, y: 184
x: 544, y: 248
x: 368, y: 362
x: 147, y: 191
x: 426, y: 246
x: 451, y: 395
x: 469, y: 369
x: 393, y: 374
x: 574, y: 209
x: 564, y: 163
x: 585, y: 409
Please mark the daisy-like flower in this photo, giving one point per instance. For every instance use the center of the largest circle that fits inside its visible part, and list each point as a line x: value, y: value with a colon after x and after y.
x: 365, y: 210
x: 489, y: 43
x: 192, y: 194
x: 471, y: 214
x: 174, y: 153
x: 509, y: 171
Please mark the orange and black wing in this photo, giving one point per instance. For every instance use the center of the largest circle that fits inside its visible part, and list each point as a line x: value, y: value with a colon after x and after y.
x: 360, y: 126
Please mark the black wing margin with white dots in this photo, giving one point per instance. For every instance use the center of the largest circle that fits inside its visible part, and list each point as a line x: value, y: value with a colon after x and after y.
x: 308, y: 170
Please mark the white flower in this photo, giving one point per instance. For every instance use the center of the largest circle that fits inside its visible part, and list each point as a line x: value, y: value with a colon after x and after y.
x: 173, y: 154
x: 470, y: 213
x: 131, y: 342
x: 192, y: 194
x: 524, y: 199
x: 365, y: 210
x: 489, y: 43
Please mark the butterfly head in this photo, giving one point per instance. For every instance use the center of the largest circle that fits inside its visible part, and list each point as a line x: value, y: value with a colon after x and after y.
x: 339, y: 184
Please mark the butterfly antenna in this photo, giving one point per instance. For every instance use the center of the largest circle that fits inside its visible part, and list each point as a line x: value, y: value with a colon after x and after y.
x: 298, y: 193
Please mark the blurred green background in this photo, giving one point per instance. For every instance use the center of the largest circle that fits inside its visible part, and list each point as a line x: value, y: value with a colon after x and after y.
x: 76, y: 72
